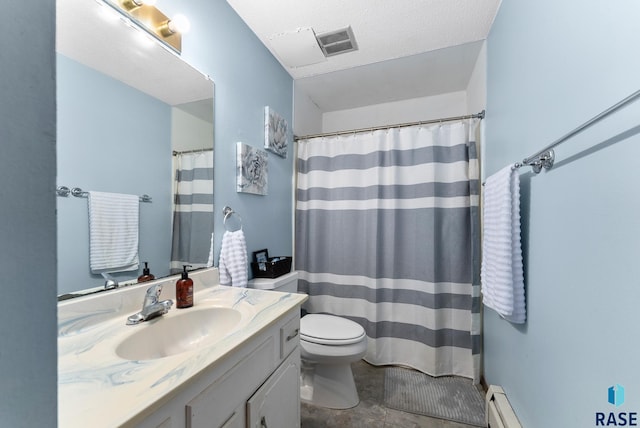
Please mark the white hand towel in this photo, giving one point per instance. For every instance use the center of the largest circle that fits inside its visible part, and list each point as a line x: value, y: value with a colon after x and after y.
x: 233, y: 259
x: 113, y: 232
x: 210, y: 260
x: 502, y: 273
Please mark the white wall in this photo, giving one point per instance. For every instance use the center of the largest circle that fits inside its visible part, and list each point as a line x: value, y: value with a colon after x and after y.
x: 189, y: 132
x: 412, y: 110
x: 477, y: 98
x: 307, y: 117
x: 477, y: 87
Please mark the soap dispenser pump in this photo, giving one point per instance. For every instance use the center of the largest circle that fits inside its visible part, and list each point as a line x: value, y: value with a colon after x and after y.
x: 184, y: 290
x: 146, y: 274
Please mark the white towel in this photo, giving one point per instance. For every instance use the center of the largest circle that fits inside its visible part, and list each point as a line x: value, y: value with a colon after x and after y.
x: 113, y: 232
x: 501, y: 273
x: 233, y: 259
x: 210, y: 260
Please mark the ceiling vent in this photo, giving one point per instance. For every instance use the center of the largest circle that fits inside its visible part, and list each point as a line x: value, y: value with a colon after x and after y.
x: 337, y: 42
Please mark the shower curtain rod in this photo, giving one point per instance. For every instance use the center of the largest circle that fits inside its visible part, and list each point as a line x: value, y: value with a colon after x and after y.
x: 399, y: 125
x: 176, y: 153
x: 544, y: 158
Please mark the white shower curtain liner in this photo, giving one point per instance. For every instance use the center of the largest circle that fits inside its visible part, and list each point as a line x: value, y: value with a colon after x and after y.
x: 387, y: 234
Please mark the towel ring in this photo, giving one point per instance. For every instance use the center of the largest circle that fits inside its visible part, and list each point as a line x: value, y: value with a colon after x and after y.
x: 228, y: 212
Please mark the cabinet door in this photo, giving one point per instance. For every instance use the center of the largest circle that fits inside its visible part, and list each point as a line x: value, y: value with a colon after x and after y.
x: 213, y: 407
x: 236, y: 420
x: 277, y: 403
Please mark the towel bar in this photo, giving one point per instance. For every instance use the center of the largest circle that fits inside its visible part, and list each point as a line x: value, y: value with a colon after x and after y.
x: 79, y: 193
x: 544, y: 158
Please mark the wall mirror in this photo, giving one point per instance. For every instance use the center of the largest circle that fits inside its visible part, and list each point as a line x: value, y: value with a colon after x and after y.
x: 125, y: 104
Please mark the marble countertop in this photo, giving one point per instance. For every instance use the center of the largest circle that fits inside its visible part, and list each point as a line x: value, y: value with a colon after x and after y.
x: 98, y: 388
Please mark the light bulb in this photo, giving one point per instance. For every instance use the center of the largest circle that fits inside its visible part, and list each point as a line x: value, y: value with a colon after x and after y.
x: 179, y: 24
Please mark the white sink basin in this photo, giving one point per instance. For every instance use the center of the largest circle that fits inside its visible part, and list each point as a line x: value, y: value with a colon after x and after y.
x: 177, y: 332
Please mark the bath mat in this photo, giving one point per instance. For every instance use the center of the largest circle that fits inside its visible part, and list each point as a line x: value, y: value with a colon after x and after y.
x: 449, y: 397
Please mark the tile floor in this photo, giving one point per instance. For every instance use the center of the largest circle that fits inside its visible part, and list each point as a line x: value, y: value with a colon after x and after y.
x: 370, y: 413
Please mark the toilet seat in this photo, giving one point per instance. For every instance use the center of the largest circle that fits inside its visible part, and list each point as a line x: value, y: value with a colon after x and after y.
x: 330, y: 330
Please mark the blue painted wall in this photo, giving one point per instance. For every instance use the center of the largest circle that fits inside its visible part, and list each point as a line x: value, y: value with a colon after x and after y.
x: 247, y: 78
x: 28, y: 325
x: 551, y: 66
x: 111, y: 138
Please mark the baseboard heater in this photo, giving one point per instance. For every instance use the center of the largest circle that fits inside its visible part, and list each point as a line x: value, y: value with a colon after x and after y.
x: 498, y: 411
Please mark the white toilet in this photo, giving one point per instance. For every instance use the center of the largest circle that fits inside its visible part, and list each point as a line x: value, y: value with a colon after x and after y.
x: 329, y: 344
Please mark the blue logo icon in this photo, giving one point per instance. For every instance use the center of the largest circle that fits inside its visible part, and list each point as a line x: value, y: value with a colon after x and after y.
x: 616, y: 395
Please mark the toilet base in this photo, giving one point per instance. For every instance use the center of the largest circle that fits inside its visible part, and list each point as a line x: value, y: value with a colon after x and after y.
x: 328, y: 385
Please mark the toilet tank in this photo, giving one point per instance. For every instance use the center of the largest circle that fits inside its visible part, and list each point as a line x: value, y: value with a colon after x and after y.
x: 287, y: 283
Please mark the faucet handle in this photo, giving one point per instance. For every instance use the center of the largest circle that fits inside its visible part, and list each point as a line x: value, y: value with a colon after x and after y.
x: 154, y: 289
x: 152, y: 296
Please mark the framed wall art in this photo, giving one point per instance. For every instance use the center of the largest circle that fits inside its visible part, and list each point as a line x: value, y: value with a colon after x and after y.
x: 251, y: 169
x: 276, y: 132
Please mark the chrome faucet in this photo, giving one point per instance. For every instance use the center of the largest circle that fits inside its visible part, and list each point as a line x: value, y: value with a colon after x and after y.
x: 110, y: 282
x: 151, y: 307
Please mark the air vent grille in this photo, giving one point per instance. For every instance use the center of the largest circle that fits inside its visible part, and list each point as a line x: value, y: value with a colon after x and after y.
x: 337, y: 42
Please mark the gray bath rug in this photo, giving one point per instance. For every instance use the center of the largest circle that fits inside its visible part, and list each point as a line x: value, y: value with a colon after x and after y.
x: 449, y: 397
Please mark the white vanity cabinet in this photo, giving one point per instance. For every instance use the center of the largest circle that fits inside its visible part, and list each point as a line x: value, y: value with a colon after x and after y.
x: 255, y: 386
x: 277, y: 402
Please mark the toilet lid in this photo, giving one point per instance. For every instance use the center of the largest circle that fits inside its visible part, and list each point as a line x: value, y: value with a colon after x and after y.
x: 330, y: 330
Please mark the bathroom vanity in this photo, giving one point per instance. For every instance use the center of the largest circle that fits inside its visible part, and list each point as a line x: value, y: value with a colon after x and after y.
x: 232, y: 360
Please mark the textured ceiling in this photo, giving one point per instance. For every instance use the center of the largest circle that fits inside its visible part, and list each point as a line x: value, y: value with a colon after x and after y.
x: 407, y: 48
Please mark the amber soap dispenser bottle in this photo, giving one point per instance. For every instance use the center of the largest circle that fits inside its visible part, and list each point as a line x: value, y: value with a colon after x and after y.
x: 146, y: 274
x: 184, y: 290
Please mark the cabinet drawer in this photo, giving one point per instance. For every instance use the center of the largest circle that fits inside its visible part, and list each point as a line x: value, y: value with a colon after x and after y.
x: 289, y: 337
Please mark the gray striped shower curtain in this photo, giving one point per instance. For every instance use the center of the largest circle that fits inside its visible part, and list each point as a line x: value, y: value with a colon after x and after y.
x: 192, y: 210
x: 387, y: 235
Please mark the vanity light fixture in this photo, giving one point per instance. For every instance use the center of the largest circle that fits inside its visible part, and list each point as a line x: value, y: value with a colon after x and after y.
x: 177, y: 24
x: 133, y: 4
x: 149, y: 18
